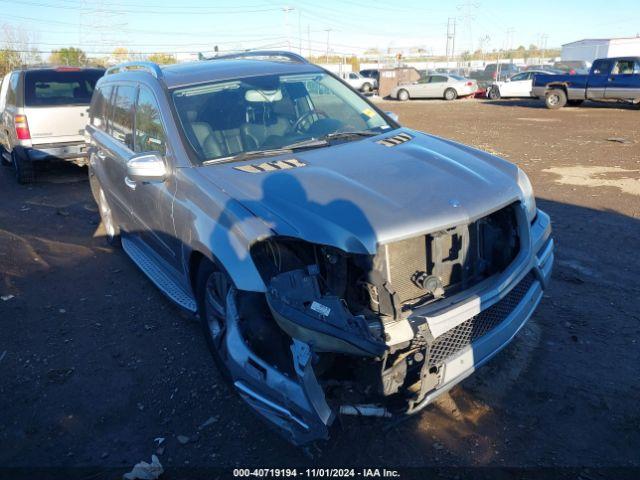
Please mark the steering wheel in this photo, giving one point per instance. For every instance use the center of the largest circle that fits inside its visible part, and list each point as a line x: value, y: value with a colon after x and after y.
x: 296, y: 126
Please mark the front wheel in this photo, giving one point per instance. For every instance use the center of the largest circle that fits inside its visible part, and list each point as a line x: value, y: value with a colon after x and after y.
x: 403, y: 95
x: 450, y: 94
x: 212, y: 289
x: 112, y: 231
x: 555, y: 99
x: 494, y: 93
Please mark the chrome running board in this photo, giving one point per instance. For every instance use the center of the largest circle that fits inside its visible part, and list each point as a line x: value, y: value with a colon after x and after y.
x: 155, y: 273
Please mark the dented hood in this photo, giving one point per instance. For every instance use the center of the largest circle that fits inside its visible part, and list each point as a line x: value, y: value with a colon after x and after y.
x: 357, y: 194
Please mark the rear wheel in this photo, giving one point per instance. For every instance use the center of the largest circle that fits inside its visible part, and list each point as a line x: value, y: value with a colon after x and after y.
x: 450, y: 94
x: 3, y: 160
x: 23, y: 166
x: 555, y: 99
x: 366, y: 88
x: 403, y: 95
x: 494, y: 93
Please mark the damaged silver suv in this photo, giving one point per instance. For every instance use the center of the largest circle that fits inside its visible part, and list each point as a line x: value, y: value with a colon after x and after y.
x: 340, y: 264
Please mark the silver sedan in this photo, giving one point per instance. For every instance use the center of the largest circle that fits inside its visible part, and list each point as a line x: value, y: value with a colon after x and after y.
x: 448, y: 87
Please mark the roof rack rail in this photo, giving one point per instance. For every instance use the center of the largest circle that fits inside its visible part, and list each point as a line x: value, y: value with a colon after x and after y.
x: 262, y: 54
x: 149, y: 67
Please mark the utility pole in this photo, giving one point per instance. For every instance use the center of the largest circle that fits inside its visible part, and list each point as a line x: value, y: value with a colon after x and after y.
x: 451, y: 38
x: 300, y: 31
x: 308, y: 40
x: 483, y: 41
x: 468, y: 15
x: 328, y: 30
x: 286, y: 11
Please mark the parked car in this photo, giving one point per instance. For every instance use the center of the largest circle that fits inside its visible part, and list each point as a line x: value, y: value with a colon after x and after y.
x: 43, y: 112
x: 340, y: 264
x: 573, y: 67
x: 494, y: 72
x: 610, y: 79
x: 371, y: 73
x: 357, y: 81
x: 520, y: 85
x: 448, y: 87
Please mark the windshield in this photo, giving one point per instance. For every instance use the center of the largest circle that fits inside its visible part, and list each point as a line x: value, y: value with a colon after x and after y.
x: 226, y: 119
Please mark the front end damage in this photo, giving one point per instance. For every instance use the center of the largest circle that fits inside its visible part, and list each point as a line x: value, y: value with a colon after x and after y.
x: 384, y: 334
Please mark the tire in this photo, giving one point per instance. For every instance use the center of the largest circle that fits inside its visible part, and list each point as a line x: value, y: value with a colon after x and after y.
x: 366, y: 88
x: 403, y: 95
x: 3, y: 161
x: 494, y: 93
x: 25, y: 172
x: 450, y: 94
x: 111, y: 228
x: 212, y: 286
x: 556, y: 98
x: 575, y: 103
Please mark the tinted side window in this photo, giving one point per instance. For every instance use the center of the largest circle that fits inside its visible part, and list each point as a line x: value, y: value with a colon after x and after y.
x: 150, y: 135
x: 99, y: 108
x: 121, y: 121
x: 13, y: 89
x: 625, y: 67
x: 601, y: 67
x: 438, y: 79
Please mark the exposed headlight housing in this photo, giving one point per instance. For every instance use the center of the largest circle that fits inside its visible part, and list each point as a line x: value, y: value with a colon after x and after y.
x: 528, y: 200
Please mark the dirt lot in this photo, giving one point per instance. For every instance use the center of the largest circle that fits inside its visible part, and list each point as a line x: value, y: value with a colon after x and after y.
x: 95, y: 363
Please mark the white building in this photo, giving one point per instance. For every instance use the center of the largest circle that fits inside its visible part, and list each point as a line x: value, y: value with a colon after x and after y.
x: 590, y: 49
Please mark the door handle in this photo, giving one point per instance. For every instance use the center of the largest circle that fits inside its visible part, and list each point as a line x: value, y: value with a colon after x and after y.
x: 101, y: 155
x: 130, y: 183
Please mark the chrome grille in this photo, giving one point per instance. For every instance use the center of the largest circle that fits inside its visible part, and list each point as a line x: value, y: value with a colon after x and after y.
x: 451, y: 342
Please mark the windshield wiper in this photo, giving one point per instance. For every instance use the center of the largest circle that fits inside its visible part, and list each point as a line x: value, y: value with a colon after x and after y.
x: 311, y: 143
x: 355, y: 133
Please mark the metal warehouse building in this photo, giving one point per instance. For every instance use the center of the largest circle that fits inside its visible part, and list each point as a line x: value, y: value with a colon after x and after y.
x: 590, y: 49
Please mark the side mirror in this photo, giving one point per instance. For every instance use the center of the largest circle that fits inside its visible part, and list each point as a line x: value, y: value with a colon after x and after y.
x: 393, y: 116
x: 147, y: 167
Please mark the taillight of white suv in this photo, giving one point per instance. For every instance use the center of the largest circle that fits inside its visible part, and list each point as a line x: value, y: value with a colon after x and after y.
x: 22, y: 127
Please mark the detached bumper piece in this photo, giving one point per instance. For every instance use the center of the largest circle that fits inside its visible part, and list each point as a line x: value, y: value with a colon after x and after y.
x: 320, y: 320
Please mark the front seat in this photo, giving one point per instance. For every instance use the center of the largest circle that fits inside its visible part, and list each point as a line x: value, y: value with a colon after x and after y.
x: 223, y: 133
x: 204, y: 136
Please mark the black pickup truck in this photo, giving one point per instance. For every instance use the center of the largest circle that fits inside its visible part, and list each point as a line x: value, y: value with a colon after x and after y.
x: 610, y: 79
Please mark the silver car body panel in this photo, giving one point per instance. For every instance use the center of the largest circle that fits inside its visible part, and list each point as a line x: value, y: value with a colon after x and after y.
x: 355, y: 196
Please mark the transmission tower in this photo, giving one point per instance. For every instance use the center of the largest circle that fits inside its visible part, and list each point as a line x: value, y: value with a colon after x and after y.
x: 101, y: 28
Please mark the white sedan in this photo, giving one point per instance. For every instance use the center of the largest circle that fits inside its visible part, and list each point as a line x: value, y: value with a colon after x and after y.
x: 448, y: 87
x: 519, y: 85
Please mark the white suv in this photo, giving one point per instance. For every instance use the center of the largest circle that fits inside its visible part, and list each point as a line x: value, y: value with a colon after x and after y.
x: 43, y: 113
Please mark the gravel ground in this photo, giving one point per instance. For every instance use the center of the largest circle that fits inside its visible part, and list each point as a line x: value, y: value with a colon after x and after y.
x: 96, y: 363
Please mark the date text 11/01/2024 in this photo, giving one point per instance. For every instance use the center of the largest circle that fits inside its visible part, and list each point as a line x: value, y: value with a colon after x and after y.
x: 315, y: 472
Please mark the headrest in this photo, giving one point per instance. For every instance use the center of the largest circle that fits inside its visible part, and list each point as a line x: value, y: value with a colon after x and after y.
x: 269, y: 96
x: 192, y: 115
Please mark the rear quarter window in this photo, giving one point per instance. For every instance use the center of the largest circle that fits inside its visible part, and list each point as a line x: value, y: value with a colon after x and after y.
x: 47, y: 88
x: 99, y: 107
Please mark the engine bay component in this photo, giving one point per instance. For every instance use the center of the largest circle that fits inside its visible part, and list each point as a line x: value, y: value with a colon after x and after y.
x: 321, y: 320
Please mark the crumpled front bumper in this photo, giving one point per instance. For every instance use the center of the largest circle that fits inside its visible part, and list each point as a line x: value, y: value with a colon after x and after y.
x: 296, y: 404
x: 533, y: 270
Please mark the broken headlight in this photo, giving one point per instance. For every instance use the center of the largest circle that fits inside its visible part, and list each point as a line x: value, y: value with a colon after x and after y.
x: 528, y: 200
x: 308, y: 288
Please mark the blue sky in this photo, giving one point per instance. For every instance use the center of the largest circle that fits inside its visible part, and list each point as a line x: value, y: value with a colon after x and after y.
x: 194, y: 25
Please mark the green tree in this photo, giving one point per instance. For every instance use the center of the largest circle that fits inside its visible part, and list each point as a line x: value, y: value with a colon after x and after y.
x: 162, y: 58
x: 9, y: 59
x: 68, y: 56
